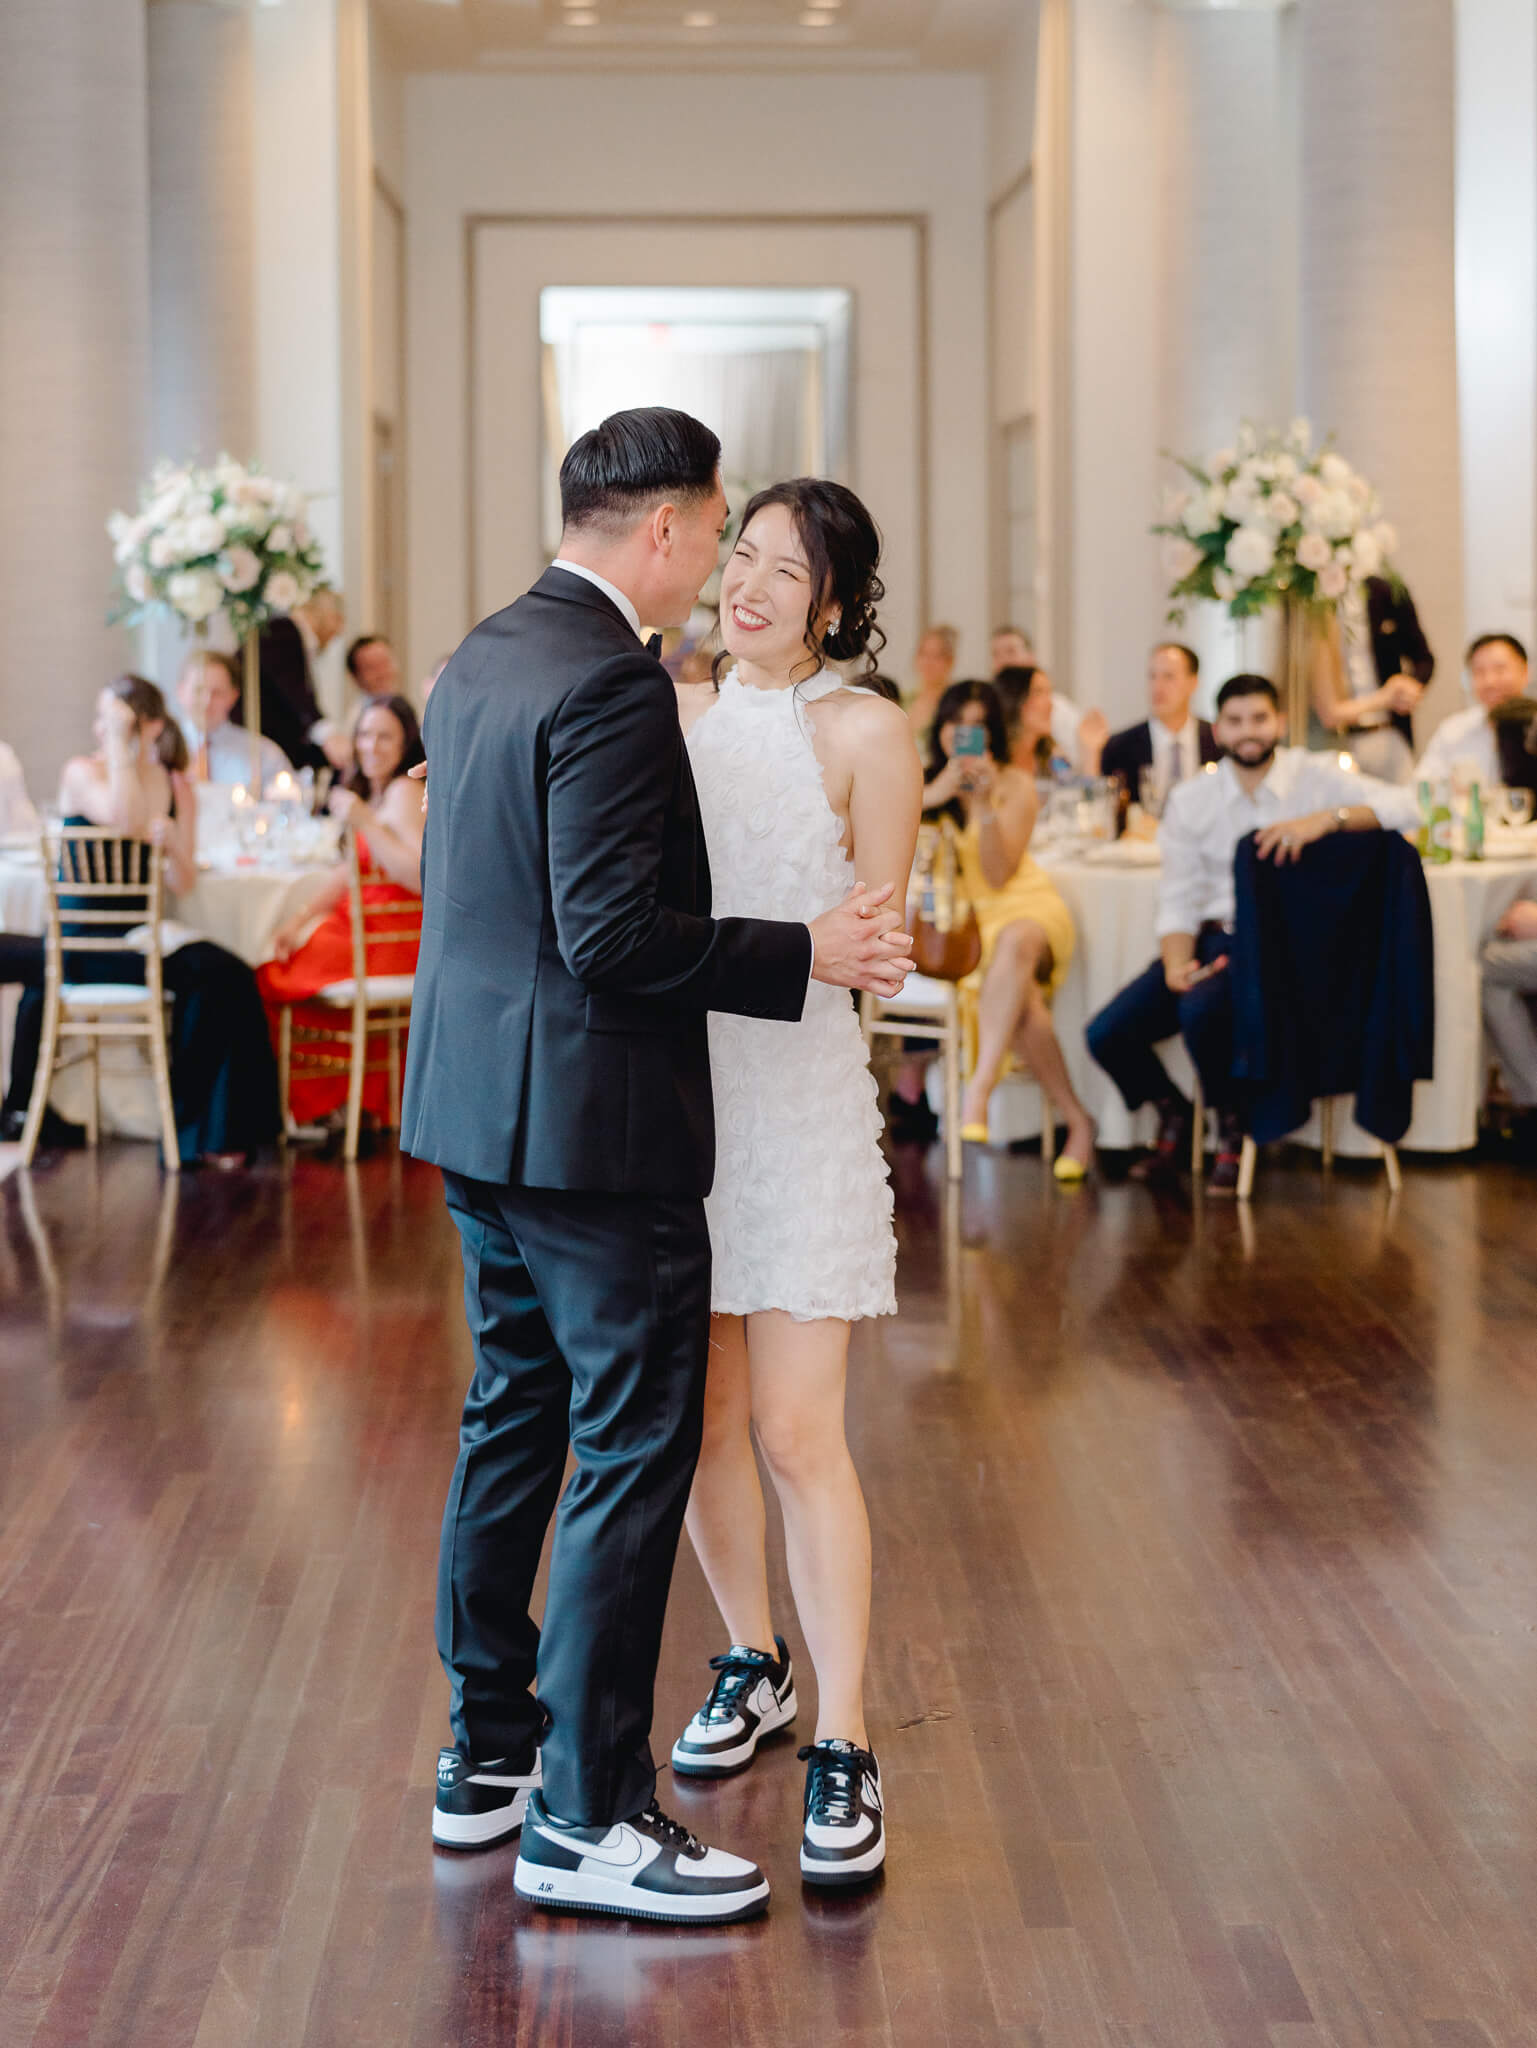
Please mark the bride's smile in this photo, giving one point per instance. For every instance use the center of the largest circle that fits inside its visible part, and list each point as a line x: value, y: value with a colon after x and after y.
x: 766, y: 600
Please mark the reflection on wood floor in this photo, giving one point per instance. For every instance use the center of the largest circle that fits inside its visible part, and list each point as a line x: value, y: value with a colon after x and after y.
x: 1205, y: 1667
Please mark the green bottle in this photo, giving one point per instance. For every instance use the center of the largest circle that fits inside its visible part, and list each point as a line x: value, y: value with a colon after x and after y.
x: 1473, y: 827
x: 1440, y: 827
x: 1423, y: 840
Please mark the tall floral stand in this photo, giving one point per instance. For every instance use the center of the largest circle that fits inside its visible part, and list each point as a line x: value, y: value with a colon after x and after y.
x: 253, y: 706
x: 1302, y: 633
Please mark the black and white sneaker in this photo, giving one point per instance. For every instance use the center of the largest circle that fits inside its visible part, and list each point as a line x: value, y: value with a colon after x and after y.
x: 648, y: 1868
x: 479, y: 1804
x: 844, y: 1837
x: 753, y: 1695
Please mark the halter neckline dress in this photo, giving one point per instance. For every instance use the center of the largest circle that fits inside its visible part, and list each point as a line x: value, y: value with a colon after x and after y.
x: 800, y: 1213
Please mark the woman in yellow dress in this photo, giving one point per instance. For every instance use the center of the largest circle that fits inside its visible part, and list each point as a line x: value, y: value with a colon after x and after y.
x: 1027, y: 929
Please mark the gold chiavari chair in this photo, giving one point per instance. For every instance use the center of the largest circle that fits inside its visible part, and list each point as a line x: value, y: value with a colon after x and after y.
x: 364, y: 1006
x: 101, y: 884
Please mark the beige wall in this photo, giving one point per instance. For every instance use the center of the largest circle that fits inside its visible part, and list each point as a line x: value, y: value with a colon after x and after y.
x: 795, y: 146
x: 74, y: 382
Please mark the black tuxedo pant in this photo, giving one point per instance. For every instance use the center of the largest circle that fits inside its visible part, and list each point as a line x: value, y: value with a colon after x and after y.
x: 590, y: 1317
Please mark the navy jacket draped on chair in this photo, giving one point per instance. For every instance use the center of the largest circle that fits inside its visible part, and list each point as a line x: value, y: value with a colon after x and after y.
x: 1333, y: 982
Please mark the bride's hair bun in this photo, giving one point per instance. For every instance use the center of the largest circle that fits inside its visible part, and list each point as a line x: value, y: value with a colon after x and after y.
x: 843, y: 552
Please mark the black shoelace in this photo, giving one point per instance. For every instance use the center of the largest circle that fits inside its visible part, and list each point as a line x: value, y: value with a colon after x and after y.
x: 738, y: 1669
x: 670, y: 1833
x: 832, y: 1782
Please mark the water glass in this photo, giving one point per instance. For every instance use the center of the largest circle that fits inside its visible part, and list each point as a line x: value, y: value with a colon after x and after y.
x: 1150, y: 790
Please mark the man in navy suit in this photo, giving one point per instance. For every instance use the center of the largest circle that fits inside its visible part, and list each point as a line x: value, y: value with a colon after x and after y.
x: 1173, y: 742
x: 559, y: 1074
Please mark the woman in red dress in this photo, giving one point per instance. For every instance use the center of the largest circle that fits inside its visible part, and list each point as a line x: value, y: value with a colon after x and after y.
x: 385, y: 810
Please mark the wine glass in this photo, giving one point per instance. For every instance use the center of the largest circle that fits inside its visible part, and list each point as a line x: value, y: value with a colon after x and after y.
x: 1515, y: 807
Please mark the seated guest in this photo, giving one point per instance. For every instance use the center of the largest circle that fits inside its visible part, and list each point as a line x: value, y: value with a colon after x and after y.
x: 1035, y: 729
x: 372, y: 665
x: 1497, y: 672
x: 223, y: 1079
x: 385, y: 810
x: 1010, y: 647
x: 1375, y: 664
x: 1027, y: 930
x: 1171, y: 741
x: 933, y: 666
x: 290, y: 713
x: 1290, y: 797
x: 16, y: 812
x: 207, y: 691
x: 1058, y: 731
x: 1510, y: 994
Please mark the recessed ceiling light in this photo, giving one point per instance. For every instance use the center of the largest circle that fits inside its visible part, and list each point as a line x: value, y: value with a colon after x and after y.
x: 816, y: 21
x: 700, y: 20
x: 581, y: 20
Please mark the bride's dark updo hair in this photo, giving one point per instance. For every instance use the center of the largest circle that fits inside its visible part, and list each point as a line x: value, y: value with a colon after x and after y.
x: 843, y: 551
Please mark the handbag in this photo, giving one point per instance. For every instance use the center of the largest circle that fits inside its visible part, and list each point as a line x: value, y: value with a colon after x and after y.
x: 947, y: 945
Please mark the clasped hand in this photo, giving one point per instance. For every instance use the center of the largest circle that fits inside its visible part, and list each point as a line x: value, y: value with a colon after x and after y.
x: 862, y: 944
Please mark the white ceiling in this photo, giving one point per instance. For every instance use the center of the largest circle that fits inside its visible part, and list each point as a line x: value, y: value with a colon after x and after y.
x: 439, y: 35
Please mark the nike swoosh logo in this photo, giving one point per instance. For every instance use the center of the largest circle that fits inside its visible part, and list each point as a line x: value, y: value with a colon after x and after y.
x: 623, y: 1854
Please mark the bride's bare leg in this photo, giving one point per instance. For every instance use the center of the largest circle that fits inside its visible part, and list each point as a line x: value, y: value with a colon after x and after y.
x: 798, y: 1373
x: 725, y: 1508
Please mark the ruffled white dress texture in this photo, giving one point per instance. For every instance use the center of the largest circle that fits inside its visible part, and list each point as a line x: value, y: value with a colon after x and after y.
x: 800, y: 1214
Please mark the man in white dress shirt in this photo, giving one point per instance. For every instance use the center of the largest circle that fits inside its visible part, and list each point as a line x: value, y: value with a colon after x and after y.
x: 1497, y: 672
x: 1290, y: 797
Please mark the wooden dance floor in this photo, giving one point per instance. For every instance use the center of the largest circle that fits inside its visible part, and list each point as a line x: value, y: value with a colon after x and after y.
x: 1204, y: 1675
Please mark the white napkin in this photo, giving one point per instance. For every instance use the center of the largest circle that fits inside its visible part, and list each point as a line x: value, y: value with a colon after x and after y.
x: 173, y: 937
x: 1126, y: 853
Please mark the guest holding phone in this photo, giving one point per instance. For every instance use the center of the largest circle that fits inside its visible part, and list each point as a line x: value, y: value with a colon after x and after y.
x: 1027, y: 929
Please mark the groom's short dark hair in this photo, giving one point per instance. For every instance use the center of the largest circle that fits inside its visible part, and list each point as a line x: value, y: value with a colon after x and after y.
x: 634, y: 460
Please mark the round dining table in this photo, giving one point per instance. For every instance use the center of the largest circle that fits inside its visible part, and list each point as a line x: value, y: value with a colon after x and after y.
x: 239, y: 905
x: 1113, y: 894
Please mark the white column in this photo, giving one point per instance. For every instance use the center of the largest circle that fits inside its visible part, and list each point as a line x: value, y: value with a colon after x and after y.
x: 1378, y: 350
x: 309, y: 68
x: 1497, y: 308
x: 202, y: 288
x: 74, y: 320
x: 1227, y: 281
x: 1111, y: 473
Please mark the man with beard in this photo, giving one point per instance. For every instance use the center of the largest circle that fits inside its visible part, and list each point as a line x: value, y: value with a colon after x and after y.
x: 1289, y: 797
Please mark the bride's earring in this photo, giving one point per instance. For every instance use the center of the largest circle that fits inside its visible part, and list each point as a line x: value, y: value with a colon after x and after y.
x: 834, y: 624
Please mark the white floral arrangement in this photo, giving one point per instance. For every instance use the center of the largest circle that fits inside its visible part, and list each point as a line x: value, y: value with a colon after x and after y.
x: 225, y: 539
x: 1271, y: 519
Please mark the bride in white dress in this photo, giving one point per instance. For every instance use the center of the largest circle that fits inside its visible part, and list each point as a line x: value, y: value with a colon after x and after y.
x: 806, y: 783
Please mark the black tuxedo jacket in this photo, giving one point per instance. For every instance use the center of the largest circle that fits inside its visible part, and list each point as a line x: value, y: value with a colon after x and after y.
x: 568, y: 953
x: 1128, y: 753
x: 288, y: 706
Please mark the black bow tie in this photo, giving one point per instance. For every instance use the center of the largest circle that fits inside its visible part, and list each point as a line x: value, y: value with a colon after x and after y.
x: 654, y: 646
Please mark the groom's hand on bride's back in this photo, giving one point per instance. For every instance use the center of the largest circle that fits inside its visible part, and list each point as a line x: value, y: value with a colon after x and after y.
x: 862, y: 943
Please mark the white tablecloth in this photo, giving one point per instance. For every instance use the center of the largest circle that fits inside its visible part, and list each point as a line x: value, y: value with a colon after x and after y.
x: 1115, y: 910
x: 240, y: 908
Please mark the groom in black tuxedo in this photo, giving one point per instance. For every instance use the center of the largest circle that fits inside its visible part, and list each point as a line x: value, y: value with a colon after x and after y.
x: 559, y: 1074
